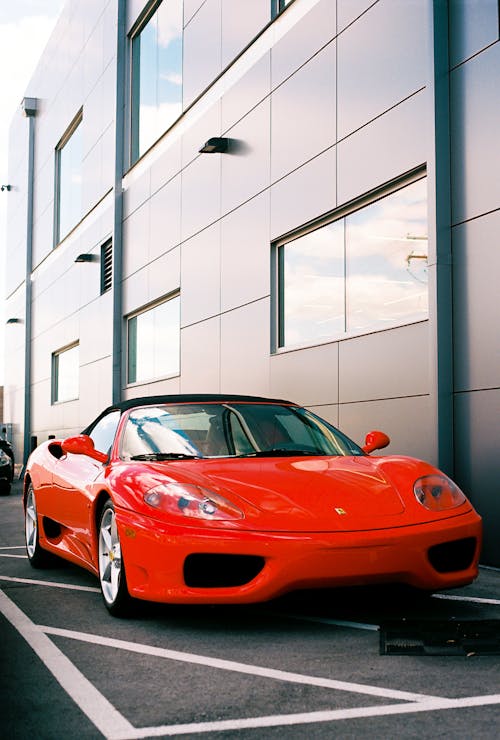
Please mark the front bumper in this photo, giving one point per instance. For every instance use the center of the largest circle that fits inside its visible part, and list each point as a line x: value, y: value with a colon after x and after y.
x: 155, y: 554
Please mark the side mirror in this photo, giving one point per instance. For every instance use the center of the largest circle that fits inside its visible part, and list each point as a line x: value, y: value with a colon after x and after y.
x: 375, y: 441
x: 83, y: 445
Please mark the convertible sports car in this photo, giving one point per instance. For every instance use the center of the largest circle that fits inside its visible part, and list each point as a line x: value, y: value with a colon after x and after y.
x: 226, y: 499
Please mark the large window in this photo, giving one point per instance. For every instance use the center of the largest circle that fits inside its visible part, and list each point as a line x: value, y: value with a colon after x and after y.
x: 154, y: 342
x: 68, y: 195
x: 156, y: 75
x: 65, y: 374
x: 362, y: 272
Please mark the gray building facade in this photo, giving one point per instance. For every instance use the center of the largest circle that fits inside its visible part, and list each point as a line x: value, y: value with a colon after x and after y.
x: 340, y: 250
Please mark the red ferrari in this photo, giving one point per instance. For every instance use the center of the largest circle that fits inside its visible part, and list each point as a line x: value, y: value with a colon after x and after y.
x: 234, y: 499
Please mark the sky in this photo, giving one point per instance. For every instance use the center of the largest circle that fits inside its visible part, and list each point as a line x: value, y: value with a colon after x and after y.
x: 25, y: 27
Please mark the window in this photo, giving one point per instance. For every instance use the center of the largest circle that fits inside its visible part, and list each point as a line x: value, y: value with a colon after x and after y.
x: 156, y: 75
x: 68, y: 184
x: 106, y: 266
x: 364, y: 271
x: 65, y: 374
x: 103, y: 432
x: 154, y: 342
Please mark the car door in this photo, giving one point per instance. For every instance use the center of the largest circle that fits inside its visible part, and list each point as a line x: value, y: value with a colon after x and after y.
x: 72, y: 487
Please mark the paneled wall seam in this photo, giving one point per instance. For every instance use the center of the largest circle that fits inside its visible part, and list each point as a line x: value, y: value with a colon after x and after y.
x: 473, y: 56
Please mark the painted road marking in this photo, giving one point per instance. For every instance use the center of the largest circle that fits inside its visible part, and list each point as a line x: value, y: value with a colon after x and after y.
x: 115, y: 727
x: 54, y: 584
x: 9, y: 555
x: 313, y: 717
x: 326, y: 620
x: 13, y: 547
x: 473, y: 599
x: 231, y: 665
x: 92, y: 703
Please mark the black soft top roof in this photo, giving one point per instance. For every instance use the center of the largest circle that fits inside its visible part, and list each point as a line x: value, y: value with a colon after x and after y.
x: 184, y: 398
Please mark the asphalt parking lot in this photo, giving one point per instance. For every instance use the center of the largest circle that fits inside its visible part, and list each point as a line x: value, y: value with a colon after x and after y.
x: 307, y: 665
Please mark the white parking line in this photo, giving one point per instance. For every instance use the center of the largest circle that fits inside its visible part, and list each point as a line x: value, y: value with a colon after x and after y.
x: 325, y: 620
x: 13, y: 547
x: 116, y: 727
x: 54, y: 584
x: 473, y: 599
x: 313, y: 717
x: 231, y: 665
x: 92, y: 703
x: 9, y: 555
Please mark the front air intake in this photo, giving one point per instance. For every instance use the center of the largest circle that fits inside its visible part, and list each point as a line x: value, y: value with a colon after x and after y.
x: 208, y: 570
x: 450, y: 557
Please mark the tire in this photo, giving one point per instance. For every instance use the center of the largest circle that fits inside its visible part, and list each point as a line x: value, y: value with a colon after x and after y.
x: 4, y: 487
x: 112, y: 578
x: 38, y: 558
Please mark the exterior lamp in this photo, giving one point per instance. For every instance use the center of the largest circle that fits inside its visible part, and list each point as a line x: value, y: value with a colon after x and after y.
x: 215, y: 144
x: 86, y: 258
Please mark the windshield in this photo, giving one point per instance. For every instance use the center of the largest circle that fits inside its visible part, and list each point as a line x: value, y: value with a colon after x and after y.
x: 186, y: 431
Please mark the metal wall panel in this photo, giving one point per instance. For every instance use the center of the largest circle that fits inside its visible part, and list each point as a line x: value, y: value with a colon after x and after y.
x: 349, y: 10
x: 200, y: 345
x: 201, y: 129
x: 200, y: 276
x: 241, y: 22
x: 165, y: 218
x: 136, y: 240
x: 297, y: 198
x: 200, y: 194
x: 251, y: 89
x: 244, y: 352
x: 164, y: 274
x: 202, y: 50
x: 245, y: 168
x: 303, y: 121
x: 475, y: 154
x: 245, y: 253
x: 473, y: 26
x: 477, y: 441
x: 394, y: 143
x: 476, y: 273
x: 381, y: 61
x: 407, y: 421
x: 303, y: 40
x: 386, y: 364
x: 308, y: 376
x: 190, y: 8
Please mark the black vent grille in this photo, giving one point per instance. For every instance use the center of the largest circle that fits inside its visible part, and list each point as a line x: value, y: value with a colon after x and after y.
x: 106, y: 266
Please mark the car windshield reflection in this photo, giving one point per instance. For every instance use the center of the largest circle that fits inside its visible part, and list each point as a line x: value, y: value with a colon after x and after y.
x: 190, y: 431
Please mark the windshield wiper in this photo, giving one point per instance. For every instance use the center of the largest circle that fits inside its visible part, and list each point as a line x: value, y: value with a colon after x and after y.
x: 283, y: 452
x: 158, y: 456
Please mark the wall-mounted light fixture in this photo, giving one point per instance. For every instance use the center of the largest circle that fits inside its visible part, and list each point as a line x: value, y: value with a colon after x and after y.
x: 215, y: 144
x: 6, y: 187
x: 87, y: 258
x: 14, y: 321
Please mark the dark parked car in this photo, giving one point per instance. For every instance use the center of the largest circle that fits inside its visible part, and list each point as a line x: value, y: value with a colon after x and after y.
x: 6, y: 468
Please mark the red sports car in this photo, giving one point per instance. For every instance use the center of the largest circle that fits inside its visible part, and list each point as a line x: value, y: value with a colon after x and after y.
x: 226, y: 499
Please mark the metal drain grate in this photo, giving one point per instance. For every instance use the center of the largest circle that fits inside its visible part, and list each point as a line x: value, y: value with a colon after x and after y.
x: 445, y: 637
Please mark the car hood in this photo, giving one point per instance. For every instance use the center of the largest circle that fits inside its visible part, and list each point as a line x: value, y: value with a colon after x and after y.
x: 313, y: 493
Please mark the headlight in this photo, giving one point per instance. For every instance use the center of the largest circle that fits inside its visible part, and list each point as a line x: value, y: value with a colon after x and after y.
x: 437, y: 492
x: 189, y: 500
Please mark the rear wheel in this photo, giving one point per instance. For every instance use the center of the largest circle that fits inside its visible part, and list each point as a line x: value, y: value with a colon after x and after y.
x: 37, y: 557
x: 111, y: 567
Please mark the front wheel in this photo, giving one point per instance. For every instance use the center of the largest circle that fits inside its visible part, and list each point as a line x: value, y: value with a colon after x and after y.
x: 111, y: 567
x: 37, y: 557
